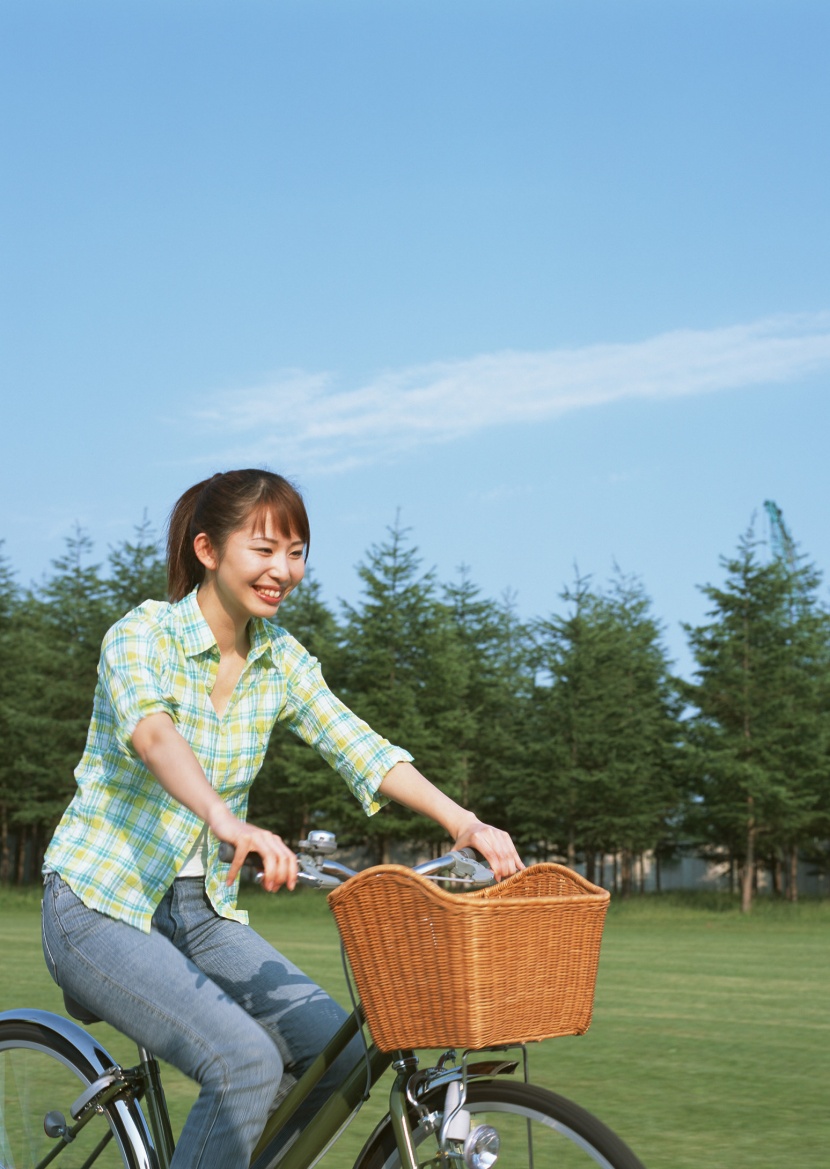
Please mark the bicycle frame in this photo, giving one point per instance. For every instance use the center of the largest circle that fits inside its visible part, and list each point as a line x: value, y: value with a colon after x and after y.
x: 337, y: 1110
x: 340, y: 1106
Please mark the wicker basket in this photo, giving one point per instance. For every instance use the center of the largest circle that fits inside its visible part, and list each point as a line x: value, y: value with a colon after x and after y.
x: 507, y: 964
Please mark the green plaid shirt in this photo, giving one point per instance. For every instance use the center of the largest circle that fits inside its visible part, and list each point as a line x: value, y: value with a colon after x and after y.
x: 123, y: 838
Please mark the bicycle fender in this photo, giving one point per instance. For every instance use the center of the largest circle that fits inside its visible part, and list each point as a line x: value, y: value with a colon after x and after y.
x: 89, y: 1048
x: 92, y: 1054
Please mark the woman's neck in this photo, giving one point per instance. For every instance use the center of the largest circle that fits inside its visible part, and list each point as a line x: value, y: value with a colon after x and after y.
x: 230, y: 629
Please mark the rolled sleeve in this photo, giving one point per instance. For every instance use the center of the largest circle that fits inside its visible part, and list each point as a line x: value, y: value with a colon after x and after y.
x: 131, y: 676
x: 360, y: 755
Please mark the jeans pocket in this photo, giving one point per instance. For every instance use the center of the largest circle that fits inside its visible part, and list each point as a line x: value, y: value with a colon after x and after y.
x: 47, y: 908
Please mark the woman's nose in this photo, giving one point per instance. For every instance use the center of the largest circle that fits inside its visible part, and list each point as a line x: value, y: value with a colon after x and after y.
x: 278, y: 568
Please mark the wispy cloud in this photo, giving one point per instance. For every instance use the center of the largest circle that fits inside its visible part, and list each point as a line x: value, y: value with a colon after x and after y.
x: 329, y: 427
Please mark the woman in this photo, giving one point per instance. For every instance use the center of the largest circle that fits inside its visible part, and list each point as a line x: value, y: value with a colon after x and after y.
x: 140, y: 919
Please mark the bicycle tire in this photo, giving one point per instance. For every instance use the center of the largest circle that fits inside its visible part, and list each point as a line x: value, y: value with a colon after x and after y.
x: 562, y: 1134
x: 43, y: 1071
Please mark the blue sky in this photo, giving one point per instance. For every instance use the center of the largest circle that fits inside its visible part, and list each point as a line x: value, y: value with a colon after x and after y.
x: 549, y: 277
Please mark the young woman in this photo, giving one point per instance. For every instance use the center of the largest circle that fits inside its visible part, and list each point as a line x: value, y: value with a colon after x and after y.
x: 139, y: 920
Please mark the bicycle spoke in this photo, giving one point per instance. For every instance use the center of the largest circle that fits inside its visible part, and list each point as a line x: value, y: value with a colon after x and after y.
x: 34, y: 1083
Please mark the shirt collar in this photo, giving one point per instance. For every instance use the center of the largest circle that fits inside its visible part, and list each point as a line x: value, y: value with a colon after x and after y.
x: 261, y: 633
x: 197, y: 635
x: 198, y: 638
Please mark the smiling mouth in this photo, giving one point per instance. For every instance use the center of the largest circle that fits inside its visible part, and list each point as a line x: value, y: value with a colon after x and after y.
x: 273, y: 596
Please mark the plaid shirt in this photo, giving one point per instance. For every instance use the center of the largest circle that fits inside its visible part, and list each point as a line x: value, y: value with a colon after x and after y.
x: 123, y: 838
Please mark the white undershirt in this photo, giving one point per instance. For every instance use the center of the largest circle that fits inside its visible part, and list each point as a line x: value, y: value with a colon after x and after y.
x: 194, y: 865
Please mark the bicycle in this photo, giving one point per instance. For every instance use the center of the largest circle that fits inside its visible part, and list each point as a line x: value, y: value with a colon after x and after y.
x: 65, y: 1101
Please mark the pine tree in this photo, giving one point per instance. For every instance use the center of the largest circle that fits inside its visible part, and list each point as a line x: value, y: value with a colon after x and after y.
x: 606, y: 719
x: 137, y: 572
x: 60, y: 632
x: 760, y: 729
x: 10, y: 745
x: 402, y: 675
x: 491, y: 704
x: 646, y: 761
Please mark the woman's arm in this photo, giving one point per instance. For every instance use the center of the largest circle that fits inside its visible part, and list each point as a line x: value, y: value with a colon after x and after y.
x: 405, y: 785
x: 171, y: 760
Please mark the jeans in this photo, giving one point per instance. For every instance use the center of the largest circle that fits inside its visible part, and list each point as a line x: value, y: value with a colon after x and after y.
x: 209, y: 996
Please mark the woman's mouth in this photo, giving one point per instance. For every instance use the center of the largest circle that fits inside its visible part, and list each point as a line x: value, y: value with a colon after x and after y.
x: 269, y: 596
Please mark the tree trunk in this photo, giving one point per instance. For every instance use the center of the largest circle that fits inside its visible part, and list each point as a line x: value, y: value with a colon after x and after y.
x: 591, y: 865
x: 777, y: 874
x: 792, y: 875
x: 625, y: 872
x: 21, y: 855
x: 38, y: 849
x: 465, y: 780
x: 5, y: 851
x: 748, y: 875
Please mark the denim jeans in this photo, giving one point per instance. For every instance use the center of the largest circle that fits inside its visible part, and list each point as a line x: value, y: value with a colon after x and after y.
x: 209, y: 996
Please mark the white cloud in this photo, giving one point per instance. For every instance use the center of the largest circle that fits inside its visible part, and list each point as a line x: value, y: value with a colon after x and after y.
x: 328, y: 427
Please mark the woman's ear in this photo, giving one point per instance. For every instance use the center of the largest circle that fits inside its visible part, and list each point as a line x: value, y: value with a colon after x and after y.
x: 205, y: 553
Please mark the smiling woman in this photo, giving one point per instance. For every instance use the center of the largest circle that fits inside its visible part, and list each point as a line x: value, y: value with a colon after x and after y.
x: 140, y: 918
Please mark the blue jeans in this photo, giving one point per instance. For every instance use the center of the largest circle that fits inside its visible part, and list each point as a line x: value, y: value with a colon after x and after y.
x: 209, y: 996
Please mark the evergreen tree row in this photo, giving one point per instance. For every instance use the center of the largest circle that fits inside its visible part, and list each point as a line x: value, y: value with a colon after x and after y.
x: 569, y: 730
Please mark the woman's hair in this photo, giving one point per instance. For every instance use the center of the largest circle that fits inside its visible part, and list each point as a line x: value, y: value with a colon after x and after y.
x: 221, y: 505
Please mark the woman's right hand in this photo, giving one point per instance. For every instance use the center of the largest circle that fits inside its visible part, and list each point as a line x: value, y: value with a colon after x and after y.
x: 279, y: 864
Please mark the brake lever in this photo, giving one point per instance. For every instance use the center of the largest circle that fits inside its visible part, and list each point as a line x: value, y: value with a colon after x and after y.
x: 466, y: 865
x: 307, y: 872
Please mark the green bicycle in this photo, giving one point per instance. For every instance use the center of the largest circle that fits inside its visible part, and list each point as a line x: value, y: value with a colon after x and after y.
x: 64, y: 1100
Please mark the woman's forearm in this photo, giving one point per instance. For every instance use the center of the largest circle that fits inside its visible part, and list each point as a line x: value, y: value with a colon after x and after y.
x: 405, y: 785
x: 170, y: 758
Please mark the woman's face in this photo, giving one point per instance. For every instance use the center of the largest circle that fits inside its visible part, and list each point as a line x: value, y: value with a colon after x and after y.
x: 258, y: 568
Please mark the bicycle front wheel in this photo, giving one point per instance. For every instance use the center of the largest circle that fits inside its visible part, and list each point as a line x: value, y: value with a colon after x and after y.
x: 42, y: 1073
x: 537, y: 1129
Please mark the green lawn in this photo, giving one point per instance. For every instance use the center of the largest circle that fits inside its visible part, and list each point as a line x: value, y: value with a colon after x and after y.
x: 710, y: 1044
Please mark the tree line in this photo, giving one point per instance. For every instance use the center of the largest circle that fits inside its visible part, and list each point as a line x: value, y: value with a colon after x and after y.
x: 569, y: 730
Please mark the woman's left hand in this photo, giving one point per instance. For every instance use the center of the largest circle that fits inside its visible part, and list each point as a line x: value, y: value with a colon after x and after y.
x: 495, y: 845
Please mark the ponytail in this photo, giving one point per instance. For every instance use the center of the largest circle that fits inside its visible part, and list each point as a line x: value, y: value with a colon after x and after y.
x: 184, y: 569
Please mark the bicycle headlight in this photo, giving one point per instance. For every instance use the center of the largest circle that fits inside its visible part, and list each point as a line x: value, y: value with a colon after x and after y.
x: 481, y: 1148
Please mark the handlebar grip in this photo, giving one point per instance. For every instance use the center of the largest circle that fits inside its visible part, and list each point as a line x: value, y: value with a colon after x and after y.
x: 227, y: 852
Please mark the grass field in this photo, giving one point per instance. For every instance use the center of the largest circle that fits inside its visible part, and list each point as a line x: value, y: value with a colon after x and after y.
x: 710, y: 1044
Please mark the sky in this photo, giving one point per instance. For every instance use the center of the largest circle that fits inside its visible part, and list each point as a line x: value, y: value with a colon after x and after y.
x: 545, y: 279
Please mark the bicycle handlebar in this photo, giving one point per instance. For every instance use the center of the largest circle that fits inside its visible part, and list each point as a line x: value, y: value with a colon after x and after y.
x: 320, y: 872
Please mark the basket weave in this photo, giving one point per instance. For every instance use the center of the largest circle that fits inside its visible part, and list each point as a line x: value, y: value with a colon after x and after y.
x: 507, y: 964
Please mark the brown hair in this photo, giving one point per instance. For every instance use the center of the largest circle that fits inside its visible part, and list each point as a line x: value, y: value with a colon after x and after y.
x: 221, y: 505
